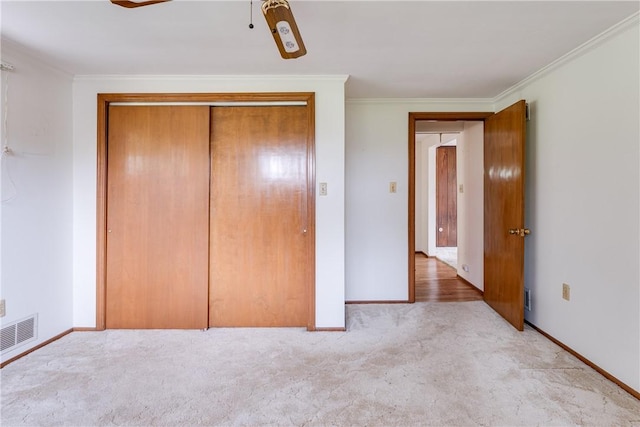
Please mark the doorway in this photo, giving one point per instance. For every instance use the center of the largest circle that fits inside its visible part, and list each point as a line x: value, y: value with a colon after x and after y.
x: 424, y: 136
x: 161, y: 304
x: 503, y: 227
x: 443, y: 171
x: 449, y: 178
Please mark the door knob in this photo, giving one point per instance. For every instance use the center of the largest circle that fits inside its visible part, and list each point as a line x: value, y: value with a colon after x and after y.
x: 440, y: 229
x: 520, y: 231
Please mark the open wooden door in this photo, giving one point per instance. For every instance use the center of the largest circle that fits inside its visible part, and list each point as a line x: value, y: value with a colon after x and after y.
x: 504, y: 230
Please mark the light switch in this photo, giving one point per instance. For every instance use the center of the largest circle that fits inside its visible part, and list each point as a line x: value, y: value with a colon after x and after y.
x: 393, y: 187
x: 461, y: 187
x: 323, y: 188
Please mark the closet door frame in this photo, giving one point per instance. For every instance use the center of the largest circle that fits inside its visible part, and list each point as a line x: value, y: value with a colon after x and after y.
x: 105, y: 99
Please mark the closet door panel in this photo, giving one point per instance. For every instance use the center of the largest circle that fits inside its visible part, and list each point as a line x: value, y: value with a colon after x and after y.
x: 258, y: 240
x: 157, y: 217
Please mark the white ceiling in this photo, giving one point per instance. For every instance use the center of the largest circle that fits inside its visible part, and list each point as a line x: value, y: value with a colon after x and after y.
x: 390, y: 49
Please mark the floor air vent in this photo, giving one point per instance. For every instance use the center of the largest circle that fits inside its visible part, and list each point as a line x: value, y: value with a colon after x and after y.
x: 18, y: 333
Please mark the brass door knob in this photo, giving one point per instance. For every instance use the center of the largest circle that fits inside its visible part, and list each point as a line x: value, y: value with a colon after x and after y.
x: 519, y: 231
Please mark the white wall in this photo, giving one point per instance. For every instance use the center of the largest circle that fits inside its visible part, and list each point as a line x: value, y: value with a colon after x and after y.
x: 376, y: 220
x: 583, y: 195
x: 470, y: 167
x: 423, y: 144
x: 330, y: 119
x: 37, y: 194
x: 432, y: 213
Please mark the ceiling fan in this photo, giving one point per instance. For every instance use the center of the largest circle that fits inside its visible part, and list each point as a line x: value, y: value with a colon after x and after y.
x: 279, y: 19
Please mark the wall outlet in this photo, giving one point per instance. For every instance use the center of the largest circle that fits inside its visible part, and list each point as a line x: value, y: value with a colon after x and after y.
x: 527, y: 299
x: 465, y: 267
x: 566, y: 292
x: 3, y: 308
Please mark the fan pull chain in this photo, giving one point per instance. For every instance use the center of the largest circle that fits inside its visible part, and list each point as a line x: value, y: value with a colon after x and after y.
x: 251, y: 16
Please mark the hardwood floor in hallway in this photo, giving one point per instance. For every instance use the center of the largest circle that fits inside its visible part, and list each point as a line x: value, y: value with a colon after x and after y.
x: 437, y: 281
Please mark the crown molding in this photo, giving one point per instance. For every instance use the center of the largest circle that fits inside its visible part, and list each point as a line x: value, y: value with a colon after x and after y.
x: 571, y: 55
x: 387, y: 101
x: 492, y: 102
x: 341, y: 78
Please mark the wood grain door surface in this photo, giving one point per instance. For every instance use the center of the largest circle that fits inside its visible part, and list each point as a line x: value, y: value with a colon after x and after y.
x: 446, y: 197
x: 504, y: 151
x: 157, y: 217
x: 258, y: 255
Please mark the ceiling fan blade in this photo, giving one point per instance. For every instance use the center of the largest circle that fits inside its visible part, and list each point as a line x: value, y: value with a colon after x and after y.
x: 284, y: 28
x: 131, y: 4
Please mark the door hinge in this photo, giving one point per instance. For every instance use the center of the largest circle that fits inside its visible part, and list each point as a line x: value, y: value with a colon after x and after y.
x: 527, y: 112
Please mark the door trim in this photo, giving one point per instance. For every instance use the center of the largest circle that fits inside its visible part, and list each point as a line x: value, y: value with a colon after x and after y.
x: 105, y: 99
x: 413, y: 117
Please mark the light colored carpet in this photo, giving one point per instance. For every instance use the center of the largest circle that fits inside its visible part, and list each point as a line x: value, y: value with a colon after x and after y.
x: 448, y: 255
x: 398, y: 365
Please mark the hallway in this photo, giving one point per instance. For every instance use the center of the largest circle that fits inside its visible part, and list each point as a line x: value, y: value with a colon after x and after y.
x: 439, y: 282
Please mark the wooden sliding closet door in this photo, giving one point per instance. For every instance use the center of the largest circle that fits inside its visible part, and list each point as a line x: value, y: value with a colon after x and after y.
x: 258, y: 241
x: 157, y: 217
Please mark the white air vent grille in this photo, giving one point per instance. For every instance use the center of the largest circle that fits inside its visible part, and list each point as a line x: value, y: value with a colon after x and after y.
x: 8, y: 337
x: 18, y: 333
